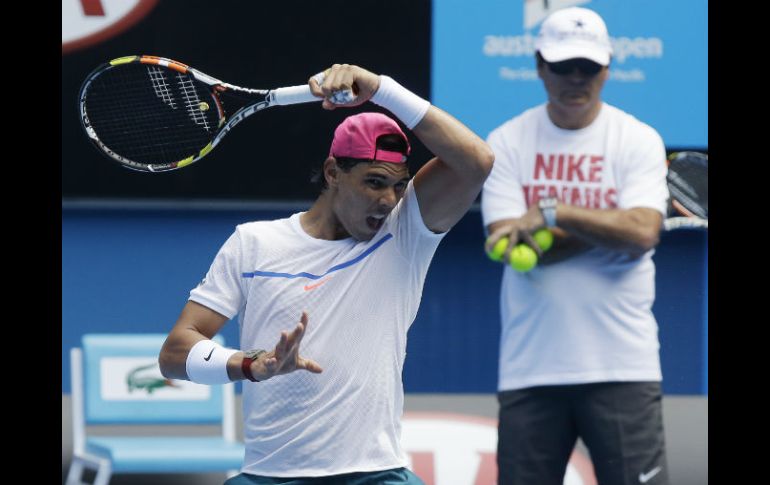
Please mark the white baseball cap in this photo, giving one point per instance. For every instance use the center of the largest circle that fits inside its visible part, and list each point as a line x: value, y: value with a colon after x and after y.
x: 572, y: 33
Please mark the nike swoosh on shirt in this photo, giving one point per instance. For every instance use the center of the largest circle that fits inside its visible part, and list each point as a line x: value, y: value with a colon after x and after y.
x: 646, y: 477
x: 316, y: 285
x: 207, y: 358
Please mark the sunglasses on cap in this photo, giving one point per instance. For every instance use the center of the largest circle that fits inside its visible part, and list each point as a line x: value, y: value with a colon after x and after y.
x: 584, y: 66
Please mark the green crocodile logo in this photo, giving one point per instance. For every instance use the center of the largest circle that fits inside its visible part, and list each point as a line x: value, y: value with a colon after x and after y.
x: 136, y: 380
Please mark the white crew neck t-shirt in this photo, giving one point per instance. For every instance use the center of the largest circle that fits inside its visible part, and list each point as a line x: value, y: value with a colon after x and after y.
x: 587, y: 318
x: 361, y: 298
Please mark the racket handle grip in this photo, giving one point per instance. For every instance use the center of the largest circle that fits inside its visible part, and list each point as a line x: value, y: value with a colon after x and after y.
x: 294, y: 95
x: 302, y: 94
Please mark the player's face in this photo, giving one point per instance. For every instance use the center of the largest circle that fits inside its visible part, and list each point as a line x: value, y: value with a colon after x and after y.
x: 367, y: 194
x: 574, y: 85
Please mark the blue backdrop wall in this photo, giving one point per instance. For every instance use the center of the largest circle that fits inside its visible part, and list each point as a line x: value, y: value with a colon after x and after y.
x: 131, y: 269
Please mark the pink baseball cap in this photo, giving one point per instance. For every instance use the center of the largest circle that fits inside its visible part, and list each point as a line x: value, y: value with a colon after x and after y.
x: 356, y: 137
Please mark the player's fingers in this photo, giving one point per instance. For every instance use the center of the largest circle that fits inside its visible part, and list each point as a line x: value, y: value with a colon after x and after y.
x: 293, y: 340
x: 527, y: 238
x: 489, y: 244
x: 331, y: 78
x: 316, y: 81
x: 271, y: 364
x: 498, y: 234
x: 513, y: 240
x: 280, y: 348
x: 328, y: 105
x: 309, y: 365
x: 492, y: 240
x: 302, y: 325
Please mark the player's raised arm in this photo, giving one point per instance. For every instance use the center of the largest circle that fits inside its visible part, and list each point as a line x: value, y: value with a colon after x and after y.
x: 446, y: 185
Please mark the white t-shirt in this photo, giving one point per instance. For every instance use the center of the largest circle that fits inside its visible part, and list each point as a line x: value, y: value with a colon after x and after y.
x: 361, y: 298
x: 588, y: 318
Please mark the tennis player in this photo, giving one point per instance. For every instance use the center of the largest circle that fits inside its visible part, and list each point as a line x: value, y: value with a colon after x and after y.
x: 325, y: 298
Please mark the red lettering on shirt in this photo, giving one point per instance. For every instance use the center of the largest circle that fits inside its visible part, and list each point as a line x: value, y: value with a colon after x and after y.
x: 574, y: 168
x: 595, y: 167
x: 588, y: 197
x: 611, y: 199
x: 560, y: 168
x: 569, y: 167
x: 543, y: 170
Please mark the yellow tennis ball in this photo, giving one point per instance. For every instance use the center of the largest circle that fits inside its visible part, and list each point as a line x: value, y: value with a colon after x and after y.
x: 543, y: 238
x: 498, y: 250
x: 203, y: 106
x: 523, y: 258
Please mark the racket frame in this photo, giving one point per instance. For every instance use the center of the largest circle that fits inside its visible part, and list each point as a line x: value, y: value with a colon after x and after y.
x: 265, y: 99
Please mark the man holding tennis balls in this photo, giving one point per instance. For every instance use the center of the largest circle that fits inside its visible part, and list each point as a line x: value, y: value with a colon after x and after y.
x: 579, y: 342
x: 350, y: 270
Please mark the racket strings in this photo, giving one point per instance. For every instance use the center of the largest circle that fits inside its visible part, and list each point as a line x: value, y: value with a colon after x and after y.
x: 149, y: 115
x: 159, y: 85
x: 192, y: 101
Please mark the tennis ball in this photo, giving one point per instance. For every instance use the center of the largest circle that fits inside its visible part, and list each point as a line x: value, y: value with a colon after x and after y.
x: 523, y: 258
x: 203, y: 106
x: 498, y: 250
x: 543, y: 238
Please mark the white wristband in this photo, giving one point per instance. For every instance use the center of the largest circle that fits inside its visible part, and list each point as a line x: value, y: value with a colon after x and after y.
x: 407, y: 106
x: 207, y: 363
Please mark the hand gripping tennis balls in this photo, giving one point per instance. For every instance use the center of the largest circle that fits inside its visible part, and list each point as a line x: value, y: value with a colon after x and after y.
x: 543, y: 238
x: 498, y: 250
x: 523, y: 258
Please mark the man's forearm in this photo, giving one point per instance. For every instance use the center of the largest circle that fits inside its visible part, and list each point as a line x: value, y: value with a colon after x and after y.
x: 633, y: 230
x: 565, y: 246
x: 173, y: 355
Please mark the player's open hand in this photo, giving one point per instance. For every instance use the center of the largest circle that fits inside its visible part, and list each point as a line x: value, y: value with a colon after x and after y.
x: 285, y: 357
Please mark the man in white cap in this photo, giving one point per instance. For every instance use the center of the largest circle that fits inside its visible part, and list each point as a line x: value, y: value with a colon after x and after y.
x: 579, y: 352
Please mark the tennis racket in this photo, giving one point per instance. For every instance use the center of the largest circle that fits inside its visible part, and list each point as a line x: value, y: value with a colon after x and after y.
x: 155, y: 114
x: 688, y: 185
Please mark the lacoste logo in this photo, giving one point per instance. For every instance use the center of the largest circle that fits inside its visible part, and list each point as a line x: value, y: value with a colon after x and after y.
x: 646, y: 477
x: 313, y: 287
x: 140, y: 378
x: 207, y: 358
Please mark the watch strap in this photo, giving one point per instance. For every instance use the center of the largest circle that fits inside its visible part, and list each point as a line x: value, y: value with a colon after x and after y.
x: 249, y: 357
x: 548, y: 209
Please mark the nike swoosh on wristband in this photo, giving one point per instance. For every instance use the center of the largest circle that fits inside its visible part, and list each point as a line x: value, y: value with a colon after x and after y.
x: 207, y: 358
x: 646, y: 477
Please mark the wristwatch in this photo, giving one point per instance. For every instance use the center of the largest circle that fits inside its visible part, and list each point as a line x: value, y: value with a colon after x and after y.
x: 250, y: 356
x: 547, y: 207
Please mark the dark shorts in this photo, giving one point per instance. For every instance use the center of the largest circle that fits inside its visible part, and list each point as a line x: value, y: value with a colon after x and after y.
x: 621, y: 423
x: 396, y: 476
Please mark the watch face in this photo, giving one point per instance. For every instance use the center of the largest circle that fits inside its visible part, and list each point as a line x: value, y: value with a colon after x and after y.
x: 252, y: 354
